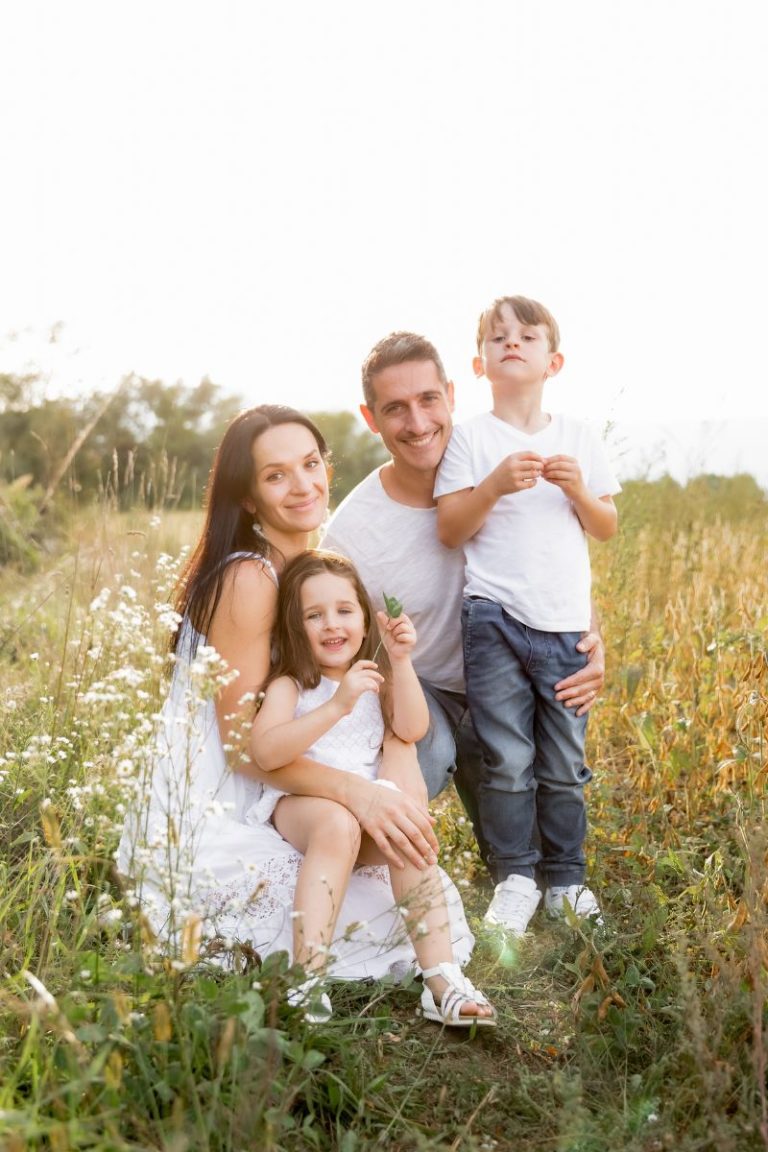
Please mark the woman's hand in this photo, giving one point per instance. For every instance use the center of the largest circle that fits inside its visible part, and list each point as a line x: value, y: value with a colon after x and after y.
x: 400, y: 828
x: 398, y: 825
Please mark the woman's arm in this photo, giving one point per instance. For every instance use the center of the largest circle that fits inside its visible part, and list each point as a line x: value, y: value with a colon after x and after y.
x: 401, y: 827
x: 240, y: 632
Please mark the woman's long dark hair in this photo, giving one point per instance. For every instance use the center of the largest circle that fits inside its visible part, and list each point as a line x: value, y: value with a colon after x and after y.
x: 228, y: 526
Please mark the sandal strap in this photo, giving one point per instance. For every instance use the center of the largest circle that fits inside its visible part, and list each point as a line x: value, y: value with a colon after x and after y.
x: 460, y: 990
x: 450, y: 972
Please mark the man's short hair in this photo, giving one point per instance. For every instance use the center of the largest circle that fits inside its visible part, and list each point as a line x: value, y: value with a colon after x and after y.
x: 527, y: 311
x: 397, y: 348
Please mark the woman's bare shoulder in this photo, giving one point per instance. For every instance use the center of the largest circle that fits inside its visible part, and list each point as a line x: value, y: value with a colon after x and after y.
x: 248, y: 575
x: 248, y: 599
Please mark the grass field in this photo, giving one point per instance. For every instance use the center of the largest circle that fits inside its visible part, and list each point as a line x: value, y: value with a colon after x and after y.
x: 652, y: 1036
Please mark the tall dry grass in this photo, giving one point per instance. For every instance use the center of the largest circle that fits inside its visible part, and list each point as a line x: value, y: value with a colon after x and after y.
x: 650, y: 1036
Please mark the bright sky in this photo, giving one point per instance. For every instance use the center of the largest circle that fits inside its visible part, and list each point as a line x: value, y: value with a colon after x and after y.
x: 259, y: 191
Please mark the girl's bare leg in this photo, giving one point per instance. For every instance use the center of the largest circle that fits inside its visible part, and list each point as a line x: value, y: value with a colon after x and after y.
x: 328, y: 836
x: 419, y: 894
x: 418, y: 890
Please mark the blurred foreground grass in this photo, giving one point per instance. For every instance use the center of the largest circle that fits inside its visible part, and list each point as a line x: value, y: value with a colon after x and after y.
x: 651, y: 1037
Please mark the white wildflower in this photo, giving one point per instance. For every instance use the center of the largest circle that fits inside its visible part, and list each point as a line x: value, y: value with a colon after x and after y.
x: 40, y: 988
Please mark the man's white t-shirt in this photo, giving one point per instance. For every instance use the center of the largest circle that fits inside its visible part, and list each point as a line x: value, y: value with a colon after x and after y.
x: 396, y: 550
x: 531, y: 553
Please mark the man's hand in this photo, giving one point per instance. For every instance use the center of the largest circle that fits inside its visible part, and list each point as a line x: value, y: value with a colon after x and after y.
x: 580, y: 690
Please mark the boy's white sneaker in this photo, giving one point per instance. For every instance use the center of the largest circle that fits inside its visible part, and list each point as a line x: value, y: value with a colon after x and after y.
x: 581, y: 899
x: 514, y: 903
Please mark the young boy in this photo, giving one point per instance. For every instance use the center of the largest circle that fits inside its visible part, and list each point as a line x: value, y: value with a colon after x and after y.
x: 519, y: 488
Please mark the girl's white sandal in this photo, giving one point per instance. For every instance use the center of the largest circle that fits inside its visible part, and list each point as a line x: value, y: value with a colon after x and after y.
x: 459, y: 992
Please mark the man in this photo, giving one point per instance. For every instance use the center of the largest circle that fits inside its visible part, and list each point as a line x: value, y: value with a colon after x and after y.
x: 388, y: 526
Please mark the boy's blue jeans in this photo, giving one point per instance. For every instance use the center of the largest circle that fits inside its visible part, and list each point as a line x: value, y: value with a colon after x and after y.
x: 533, y: 762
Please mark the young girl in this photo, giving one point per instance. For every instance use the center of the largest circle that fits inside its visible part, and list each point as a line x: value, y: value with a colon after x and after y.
x: 329, y: 699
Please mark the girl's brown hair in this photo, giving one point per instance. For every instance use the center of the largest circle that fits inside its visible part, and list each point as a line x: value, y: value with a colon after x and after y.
x: 293, y: 654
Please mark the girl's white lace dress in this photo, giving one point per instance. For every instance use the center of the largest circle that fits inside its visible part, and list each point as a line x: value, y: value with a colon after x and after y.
x: 198, y: 843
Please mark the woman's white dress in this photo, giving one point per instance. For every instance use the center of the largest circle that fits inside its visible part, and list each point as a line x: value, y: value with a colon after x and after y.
x: 198, y: 846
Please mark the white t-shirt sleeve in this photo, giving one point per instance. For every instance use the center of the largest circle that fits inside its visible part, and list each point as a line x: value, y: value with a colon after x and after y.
x: 456, y: 471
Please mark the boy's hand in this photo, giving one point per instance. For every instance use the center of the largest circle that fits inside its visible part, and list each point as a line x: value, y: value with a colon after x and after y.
x: 564, y: 472
x: 398, y: 635
x: 517, y: 472
x: 361, y: 677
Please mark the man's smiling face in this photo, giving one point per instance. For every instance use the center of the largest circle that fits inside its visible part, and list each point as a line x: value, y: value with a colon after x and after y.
x: 412, y: 413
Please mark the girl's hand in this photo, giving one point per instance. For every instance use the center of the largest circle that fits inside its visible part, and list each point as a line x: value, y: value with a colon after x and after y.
x: 361, y: 677
x: 398, y: 636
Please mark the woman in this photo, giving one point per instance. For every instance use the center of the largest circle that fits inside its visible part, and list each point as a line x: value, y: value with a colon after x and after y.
x: 185, y: 845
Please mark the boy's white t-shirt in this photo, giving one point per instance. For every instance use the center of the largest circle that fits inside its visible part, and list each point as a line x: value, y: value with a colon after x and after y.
x: 531, y: 553
x: 396, y: 550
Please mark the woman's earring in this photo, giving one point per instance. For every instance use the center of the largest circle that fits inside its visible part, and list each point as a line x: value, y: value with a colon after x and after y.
x: 257, y: 528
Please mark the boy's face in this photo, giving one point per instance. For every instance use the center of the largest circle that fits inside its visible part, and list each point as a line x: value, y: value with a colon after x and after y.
x: 514, y: 353
x: 412, y: 413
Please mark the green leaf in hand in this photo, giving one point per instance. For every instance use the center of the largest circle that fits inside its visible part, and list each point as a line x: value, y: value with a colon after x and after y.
x: 393, y: 606
x: 394, y: 609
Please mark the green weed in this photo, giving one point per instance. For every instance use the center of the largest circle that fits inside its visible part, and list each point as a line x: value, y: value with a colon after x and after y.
x: 651, y: 1035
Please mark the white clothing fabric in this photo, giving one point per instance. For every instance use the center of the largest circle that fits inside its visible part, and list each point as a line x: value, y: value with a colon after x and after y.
x: 396, y: 550
x: 353, y: 744
x: 187, y: 851
x: 531, y: 553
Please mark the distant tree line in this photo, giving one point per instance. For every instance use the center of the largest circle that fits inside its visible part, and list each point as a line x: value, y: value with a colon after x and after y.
x: 149, y: 443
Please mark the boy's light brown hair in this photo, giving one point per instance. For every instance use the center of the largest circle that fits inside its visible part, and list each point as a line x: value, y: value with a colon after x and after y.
x: 527, y: 311
x: 397, y: 348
